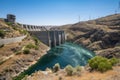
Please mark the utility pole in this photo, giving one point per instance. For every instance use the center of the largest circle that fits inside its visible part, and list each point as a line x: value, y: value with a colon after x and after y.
x: 119, y: 6
x: 79, y: 18
x: 90, y: 17
x: 118, y: 9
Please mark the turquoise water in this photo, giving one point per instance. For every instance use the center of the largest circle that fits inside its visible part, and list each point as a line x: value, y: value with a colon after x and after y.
x: 65, y: 54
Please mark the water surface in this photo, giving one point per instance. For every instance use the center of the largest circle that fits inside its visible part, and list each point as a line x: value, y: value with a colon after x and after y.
x: 65, y: 54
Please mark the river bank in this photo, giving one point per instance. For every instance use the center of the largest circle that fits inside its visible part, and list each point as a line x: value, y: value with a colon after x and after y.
x: 65, y: 54
x: 19, y: 62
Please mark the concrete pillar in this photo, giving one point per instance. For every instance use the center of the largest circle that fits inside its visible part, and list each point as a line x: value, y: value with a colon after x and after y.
x: 40, y: 28
x: 27, y: 27
x: 57, y: 34
x: 63, y: 37
x: 54, y: 32
x: 60, y: 38
x: 24, y: 26
x: 49, y: 39
x: 30, y: 28
x: 35, y: 28
x: 52, y: 38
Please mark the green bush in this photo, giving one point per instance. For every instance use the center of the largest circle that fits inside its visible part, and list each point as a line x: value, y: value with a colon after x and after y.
x: 100, y: 63
x: 23, y: 31
x: 69, y: 69
x: 36, y: 47
x: 30, y: 46
x: 37, y: 41
x: 18, y: 52
x: 104, y: 66
x: 56, y: 67
x: 26, y: 51
x: 9, y: 23
x: 2, y: 33
x: 113, y: 61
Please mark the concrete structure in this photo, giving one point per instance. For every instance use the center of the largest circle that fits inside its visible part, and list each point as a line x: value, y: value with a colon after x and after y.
x: 49, y: 37
x: 11, y: 18
x: 33, y: 27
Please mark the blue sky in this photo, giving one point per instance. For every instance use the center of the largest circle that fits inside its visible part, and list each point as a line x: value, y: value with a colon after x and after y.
x: 57, y: 12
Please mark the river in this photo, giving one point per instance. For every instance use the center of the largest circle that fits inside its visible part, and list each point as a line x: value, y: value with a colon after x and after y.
x: 65, y: 54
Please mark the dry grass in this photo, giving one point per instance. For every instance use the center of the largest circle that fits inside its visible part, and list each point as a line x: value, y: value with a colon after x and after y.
x: 85, y: 75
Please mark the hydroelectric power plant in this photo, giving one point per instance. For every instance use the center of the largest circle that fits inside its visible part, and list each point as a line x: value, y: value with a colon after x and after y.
x: 49, y: 37
x: 61, y: 52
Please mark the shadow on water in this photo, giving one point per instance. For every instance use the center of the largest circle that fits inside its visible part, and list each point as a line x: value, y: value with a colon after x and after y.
x: 65, y: 54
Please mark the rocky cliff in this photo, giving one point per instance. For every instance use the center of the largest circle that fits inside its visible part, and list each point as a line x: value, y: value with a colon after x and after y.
x: 101, y: 35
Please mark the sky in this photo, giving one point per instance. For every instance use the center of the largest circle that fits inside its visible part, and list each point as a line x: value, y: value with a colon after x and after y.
x: 57, y: 12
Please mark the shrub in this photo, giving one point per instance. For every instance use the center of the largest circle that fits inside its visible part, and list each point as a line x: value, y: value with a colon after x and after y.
x: 113, y: 61
x: 100, y: 63
x: 2, y: 34
x: 1, y: 45
x: 18, y: 52
x: 26, y: 51
x: 104, y: 66
x: 37, y: 41
x: 23, y: 31
x: 36, y: 47
x: 78, y: 68
x: 9, y: 23
x: 56, y: 67
x: 69, y: 69
x: 30, y: 46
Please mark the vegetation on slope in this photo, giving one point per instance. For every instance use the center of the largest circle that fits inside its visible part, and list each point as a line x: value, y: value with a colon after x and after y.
x: 17, y: 57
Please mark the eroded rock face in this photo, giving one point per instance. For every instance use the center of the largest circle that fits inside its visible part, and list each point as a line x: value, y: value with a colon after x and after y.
x: 99, y: 34
x: 109, y: 53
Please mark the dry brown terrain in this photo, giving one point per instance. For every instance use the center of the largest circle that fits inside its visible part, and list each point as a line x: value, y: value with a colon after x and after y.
x: 85, y: 75
x: 12, y: 59
x: 101, y: 35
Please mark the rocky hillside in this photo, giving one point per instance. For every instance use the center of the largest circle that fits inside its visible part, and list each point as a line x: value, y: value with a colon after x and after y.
x: 17, y: 57
x: 101, y: 35
x: 9, y: 30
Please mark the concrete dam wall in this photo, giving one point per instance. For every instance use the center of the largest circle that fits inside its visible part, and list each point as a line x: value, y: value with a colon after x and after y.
x: 49, y: 37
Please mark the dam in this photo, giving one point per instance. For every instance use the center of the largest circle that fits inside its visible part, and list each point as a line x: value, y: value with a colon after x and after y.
x: 50, y: 37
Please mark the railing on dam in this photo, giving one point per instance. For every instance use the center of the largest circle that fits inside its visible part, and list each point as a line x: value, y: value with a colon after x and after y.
x: 49, y: 37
